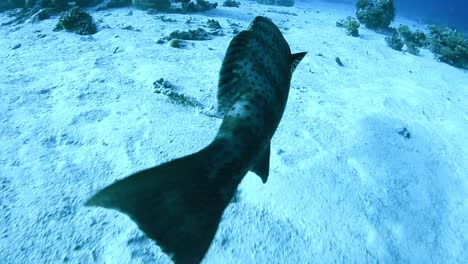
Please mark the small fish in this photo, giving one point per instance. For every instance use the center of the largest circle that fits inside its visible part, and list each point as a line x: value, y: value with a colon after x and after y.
x: 179, y: 204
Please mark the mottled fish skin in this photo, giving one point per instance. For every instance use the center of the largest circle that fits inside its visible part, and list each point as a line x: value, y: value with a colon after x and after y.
x: 253, y: 89
x: 179, y: 204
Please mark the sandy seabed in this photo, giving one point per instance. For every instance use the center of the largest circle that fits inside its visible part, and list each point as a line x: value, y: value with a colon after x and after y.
x: 369, y: 163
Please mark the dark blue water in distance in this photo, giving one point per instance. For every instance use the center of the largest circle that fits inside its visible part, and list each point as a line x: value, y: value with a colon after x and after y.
x: 453, y: 13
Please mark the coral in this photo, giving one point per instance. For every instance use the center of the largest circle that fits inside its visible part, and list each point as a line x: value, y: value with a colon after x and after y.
x: 412, y: 48
x: 164, y: 87
x: 130, y: 27
x: 177, y: 43
x: 276, y: 2
x: 351, y: 25
x: 231, y: 3
x: 166, y: 19
x: 215, y: 27
x: 43, y: 14
x: 377, y: 14
x: 156, y: 4
x: 417, y: 38
x: 395, y: 42
x: 77, y: 21
x: 412, y: 40
x: 449, y: 46
x: 197, y: 34
x: 213, y: 24
x: 199, y: 6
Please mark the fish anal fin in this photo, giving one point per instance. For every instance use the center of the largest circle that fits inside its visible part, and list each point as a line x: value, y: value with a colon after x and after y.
x: 262, y: 166
x: 175, y: 204
x: 295, y: 59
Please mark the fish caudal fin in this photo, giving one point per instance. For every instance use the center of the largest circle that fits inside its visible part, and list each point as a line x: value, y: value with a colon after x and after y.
x: 175, y: 204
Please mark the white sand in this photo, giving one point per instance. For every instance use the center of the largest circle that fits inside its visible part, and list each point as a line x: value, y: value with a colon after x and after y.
x: 344, y: 186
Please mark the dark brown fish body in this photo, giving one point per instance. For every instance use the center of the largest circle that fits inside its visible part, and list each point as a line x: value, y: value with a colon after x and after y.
x: 179, y: 204
x: 253, y: 90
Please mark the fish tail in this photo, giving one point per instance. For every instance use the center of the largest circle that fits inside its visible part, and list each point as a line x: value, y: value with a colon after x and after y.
x: 177, y: 204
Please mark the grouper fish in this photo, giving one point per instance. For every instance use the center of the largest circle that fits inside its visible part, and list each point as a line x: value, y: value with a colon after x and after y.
x: 179, y: 204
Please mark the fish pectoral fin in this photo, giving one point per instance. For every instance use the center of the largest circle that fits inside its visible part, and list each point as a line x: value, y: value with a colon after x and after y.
x: 262, y: 167
x: 175, y: 204
x: 295, y: 59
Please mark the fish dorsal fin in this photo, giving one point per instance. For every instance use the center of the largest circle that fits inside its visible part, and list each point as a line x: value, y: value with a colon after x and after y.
x: 295, y: 59
x: 262, y: 165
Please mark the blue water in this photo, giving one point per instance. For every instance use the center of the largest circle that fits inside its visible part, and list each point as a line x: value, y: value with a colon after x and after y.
x: 453, y: 13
